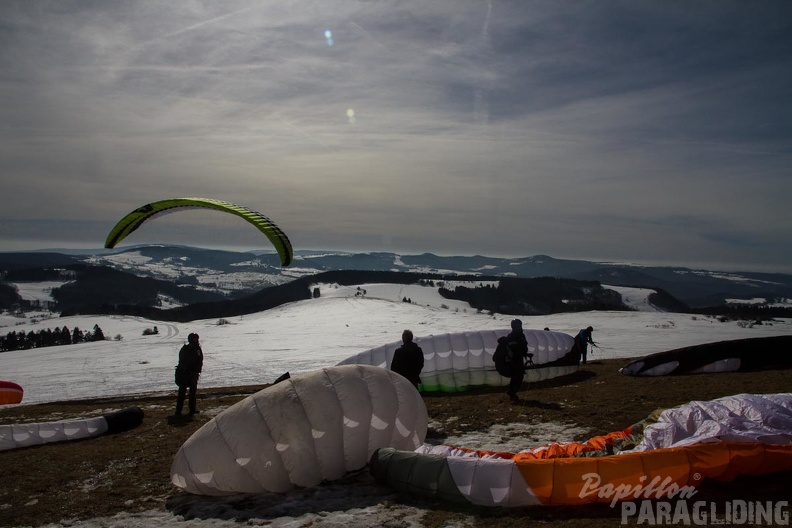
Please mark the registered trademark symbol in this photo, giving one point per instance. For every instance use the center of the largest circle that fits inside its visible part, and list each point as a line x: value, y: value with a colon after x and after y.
x: 696, y: 476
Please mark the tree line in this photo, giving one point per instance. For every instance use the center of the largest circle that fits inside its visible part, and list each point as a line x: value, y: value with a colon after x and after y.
x: 49, y: 337
x: 537, y: 296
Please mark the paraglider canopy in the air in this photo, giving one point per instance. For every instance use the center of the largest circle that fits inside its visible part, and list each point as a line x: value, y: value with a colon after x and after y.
x: 136, y: 218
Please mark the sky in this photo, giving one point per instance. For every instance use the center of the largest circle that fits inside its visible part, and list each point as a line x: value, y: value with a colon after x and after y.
x: 257, y: 348
x: 654, y: 132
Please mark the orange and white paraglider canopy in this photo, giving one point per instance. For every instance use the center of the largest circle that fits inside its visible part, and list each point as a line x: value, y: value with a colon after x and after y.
x: 10, y: 392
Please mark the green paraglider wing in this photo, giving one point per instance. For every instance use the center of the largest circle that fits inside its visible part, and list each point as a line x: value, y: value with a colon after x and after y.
x: 136, y: 218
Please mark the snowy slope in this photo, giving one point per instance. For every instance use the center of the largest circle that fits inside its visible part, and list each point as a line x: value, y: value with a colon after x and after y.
x: 306, y: 335
x: 635, y: 298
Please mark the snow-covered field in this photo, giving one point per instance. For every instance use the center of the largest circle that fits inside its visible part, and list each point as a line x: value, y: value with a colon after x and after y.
x: 307, y: 335
x: 37, y: 291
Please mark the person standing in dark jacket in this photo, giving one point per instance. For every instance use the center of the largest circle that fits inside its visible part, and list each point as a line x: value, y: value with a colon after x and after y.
x: 582, y: 341
x: 187, y: 373
x: 408, y: 359
x: 516, y: 355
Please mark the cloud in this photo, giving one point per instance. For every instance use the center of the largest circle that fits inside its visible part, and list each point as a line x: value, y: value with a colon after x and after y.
x: 453, y: 125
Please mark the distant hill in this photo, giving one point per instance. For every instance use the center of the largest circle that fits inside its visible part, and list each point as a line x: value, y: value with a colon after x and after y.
x: 694, y: 288
x: 179, y: 276
x: 18, y: 262
x: 516, y: 296
x: 105, y: 286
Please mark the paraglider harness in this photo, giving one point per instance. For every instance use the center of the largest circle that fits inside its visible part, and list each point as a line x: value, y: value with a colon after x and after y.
x: 183, y: 378
x: 504, y: 358
x: 190, y: 362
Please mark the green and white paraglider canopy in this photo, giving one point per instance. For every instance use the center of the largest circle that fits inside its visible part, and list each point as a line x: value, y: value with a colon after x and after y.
x: 136, y: 218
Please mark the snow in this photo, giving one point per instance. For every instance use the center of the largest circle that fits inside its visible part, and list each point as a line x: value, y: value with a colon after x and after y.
x: 303, y: 336
x: 635, y: 298
x: 306, y: 335
x: 778, y: 303
x: 37, y: 291
x: 416, y: 294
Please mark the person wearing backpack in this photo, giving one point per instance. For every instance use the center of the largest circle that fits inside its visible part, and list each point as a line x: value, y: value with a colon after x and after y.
x: 187, y: 373
x: 514, y: 351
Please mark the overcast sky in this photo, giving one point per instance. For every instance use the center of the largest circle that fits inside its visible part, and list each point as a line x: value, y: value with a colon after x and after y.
x: 643, y: 131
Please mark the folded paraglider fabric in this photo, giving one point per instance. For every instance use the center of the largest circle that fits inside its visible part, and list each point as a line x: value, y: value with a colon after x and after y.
x: 14, y: 436
x: 10, y: 392
x: 758, y: 353
x: 680, y: 447
x: 301, y: 431
x: 459, y: 361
